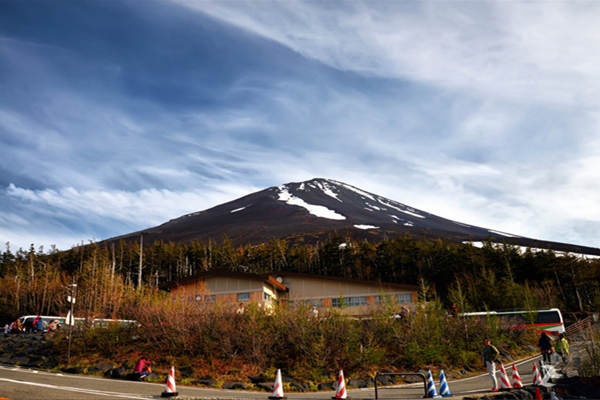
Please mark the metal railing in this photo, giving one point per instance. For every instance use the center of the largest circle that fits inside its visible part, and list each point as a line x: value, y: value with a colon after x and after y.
x: 579, y: 326
x: 420, y: 375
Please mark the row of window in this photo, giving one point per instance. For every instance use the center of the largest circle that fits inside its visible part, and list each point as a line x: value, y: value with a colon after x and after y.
x: 355, y: 301
x: 403, y: 298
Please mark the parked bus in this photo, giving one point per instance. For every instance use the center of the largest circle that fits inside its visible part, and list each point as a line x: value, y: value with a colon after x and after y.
x: 549, y: 321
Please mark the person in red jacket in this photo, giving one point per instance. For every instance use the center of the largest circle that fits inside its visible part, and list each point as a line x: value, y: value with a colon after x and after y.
x: 142, y: 368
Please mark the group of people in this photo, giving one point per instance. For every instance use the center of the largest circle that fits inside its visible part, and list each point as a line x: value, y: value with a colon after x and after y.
x: 547, y: 348
x: 37, y: 325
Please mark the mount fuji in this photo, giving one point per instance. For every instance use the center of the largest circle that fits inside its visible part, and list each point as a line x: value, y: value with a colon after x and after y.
x: 309, y: 211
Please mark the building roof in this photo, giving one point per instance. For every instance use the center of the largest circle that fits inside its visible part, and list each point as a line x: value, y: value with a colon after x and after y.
x: 400, y: 286
x: 266, y: 278
x: 272, y: 279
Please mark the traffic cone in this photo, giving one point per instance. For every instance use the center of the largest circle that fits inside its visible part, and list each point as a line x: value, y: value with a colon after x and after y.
x: 537, y: 379
x: 538, y: 394
x: 340, y: 392
x: 444, y: 388
x: 431, y: 392
x: 278, y: 387
x: 170, y: 389
x: 517, y: 382
x: 504, y: 383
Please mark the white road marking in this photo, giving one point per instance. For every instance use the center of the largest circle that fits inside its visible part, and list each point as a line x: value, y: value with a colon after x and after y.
x: 79, y: 390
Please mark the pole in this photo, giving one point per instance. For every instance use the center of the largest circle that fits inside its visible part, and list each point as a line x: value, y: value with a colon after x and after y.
x: 72, y: 321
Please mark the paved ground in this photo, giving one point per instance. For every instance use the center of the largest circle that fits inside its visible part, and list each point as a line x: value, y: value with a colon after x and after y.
x: 20, y: 383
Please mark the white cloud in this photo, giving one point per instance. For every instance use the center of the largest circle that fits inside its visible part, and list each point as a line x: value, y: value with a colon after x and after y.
x: 151, y: 206
x: 548, y: 51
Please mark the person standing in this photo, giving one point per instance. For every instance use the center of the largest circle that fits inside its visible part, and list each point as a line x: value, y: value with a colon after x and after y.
x: 562, y: 347
x: 490, y: 357
x: 545, y: 345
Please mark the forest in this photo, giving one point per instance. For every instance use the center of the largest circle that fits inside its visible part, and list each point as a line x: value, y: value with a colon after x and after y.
x: 112, y: 277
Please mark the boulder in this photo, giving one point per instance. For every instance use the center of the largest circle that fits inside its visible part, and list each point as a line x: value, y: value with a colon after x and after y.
x: 73, y: 370
x: 267, y: 387
x: 360, y: 382
x: 231, y: 385
x: 257, y: 378
x: 205, y: 382
x: 326, y: 386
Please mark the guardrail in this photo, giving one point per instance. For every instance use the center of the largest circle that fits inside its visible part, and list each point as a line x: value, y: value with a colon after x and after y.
x: 578, y: 326
x: 420, y: 375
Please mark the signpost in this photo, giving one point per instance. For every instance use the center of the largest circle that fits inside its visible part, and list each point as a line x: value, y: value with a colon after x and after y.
x: 70, y: 320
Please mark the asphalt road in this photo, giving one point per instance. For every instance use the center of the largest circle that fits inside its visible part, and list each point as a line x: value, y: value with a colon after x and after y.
x: 20, y: 383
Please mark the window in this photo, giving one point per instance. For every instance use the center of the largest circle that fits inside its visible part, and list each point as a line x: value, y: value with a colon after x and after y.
x: 210, y: 298
x: 243, y: 296
x: 267, y: 296
x: 313, y: 302
x: 404, y: 298
x: 198, y: 297
x: 349, y: 301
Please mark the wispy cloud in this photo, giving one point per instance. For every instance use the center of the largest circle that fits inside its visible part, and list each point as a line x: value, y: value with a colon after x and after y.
x: 481, y: 112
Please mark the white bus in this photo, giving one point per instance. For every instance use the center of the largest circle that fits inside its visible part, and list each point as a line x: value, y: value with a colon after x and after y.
x: 549, y: 321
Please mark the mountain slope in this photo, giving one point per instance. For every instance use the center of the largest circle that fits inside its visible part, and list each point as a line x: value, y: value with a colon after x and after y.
x: 310, y: 210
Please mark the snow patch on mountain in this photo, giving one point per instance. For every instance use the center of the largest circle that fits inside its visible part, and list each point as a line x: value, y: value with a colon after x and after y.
x: 325, y: 188
x: 409, y: 211
x: 355, y: 190
x: 501, y: 233
x: 523, y: 249
x: 316, y: 210
x: 237, y: 209
x: 366, y: 226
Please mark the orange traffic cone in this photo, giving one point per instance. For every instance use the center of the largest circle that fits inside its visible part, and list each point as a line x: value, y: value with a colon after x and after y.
x: 517, y: 382
x: 278, y: 388
x: 504, y: 383
x: 170, y: 389
x: 340, y: 392
x: 538, y: 394
x: 537, y: 378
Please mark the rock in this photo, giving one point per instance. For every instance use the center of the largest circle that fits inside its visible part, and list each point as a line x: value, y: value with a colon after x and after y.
x: 300, y: 386
x: 205, y: 382
x: 73, y: 370
x: 267, y: 387
x: 326, y: 386
x: 233, y: 385
x: 104, y: 366
x: 258, y: 378
x: 116, y: 373
x: 360, y: 382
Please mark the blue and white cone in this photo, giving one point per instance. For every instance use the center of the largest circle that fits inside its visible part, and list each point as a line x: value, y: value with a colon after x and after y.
x: 444, y: 388
x: 431, y: 392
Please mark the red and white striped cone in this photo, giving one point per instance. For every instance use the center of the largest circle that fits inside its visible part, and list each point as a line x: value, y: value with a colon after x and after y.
x: 340, y: 392
x: 537, y: 378
x: 517, y: 382
x: 277, y: 388
x: 538, y: 394
x: 504, y: 382
x: 170, y: 389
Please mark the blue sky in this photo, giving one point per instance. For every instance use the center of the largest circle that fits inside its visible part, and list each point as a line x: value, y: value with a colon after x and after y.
x: 119, y: 115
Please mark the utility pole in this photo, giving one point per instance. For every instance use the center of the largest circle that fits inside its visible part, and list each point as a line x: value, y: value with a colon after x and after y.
x: 139, y: 286
x: 70, y: 318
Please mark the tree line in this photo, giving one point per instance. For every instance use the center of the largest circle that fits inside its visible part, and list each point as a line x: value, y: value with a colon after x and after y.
x: 112, y: 274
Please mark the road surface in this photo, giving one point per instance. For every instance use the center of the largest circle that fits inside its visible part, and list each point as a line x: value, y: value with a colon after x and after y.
x: 20, y: 383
